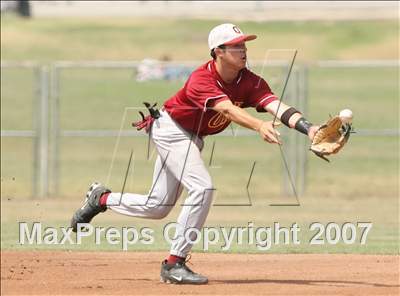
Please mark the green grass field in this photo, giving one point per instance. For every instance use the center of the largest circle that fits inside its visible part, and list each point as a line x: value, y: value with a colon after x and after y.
x: 360, y: 185
x: 133, y: 39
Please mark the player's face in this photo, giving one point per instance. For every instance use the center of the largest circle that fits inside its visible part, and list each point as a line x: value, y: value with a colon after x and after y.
x: 236, y: 55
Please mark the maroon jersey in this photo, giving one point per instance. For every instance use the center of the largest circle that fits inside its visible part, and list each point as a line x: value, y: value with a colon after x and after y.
x: 191, y: 106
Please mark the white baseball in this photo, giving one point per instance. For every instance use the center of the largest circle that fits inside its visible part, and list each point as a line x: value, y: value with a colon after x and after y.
x: 346, y: 115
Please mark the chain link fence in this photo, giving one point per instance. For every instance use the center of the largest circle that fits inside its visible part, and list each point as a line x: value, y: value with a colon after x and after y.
x: 65, y: 123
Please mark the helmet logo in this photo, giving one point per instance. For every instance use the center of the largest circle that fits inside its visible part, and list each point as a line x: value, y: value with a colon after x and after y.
x: 236, y: 29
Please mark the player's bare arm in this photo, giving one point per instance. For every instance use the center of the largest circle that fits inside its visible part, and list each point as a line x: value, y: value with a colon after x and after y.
x: 265, y: 128
x: 292, y: 118
x: 243, y: 118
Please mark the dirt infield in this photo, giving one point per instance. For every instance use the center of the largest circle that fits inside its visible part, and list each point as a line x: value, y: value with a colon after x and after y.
x: 97, y: 273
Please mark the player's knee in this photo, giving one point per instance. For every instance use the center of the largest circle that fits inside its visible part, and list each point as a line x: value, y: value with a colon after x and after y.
x: 208, y: 185
x: 207, y: 196
x: 205, y: 189
x: 160, y: 212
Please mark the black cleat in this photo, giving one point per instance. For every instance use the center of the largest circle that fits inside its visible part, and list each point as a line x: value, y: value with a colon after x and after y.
x: 179, y: 273
x: 91, y: 207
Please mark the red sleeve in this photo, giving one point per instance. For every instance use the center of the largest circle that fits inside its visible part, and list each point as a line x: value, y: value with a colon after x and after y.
x: 203, y: 92
x: 260, y: 94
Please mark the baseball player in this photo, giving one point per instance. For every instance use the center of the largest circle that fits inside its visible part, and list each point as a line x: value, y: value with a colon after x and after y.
x: 213, y: 96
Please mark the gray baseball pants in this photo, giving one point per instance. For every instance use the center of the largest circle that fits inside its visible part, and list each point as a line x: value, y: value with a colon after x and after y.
x: 178, y: 164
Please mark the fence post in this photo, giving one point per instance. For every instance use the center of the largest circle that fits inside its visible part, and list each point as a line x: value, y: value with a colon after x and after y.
x: 302, y: 147
x: 295, y: 147
x: 43, y: 133
x: 36, y: 131
x: 289, y: 138
x: 54, y: 128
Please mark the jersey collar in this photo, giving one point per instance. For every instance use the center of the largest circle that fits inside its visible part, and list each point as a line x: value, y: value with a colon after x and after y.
x: 211, y: 67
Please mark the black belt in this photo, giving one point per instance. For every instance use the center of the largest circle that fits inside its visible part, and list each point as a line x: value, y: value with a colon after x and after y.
x: 154, y: 112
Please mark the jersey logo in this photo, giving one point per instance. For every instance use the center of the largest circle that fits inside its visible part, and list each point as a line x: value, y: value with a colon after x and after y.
x: 219, y: 120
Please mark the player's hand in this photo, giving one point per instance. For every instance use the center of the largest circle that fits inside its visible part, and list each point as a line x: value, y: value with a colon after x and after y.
x: 313, y: 130
x: 269, y: 133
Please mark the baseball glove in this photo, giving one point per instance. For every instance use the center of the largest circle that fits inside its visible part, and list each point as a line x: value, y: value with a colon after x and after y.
x: 330, y: 138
